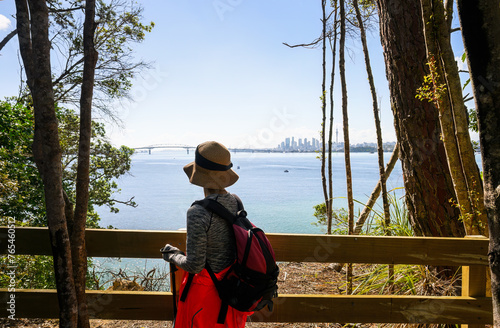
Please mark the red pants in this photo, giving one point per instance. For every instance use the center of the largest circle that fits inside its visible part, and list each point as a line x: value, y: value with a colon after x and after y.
x: 202, y: 305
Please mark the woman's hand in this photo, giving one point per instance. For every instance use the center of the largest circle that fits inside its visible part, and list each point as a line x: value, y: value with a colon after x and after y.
x: 169, y: 251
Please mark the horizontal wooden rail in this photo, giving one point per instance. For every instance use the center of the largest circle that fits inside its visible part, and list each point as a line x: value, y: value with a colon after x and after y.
x: 288, y: 308
x: 288, y: 247
x: 470, y: 253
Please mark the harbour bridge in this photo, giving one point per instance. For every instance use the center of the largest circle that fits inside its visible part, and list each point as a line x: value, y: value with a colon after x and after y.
x: 187, y: 148
x: 165, y: 146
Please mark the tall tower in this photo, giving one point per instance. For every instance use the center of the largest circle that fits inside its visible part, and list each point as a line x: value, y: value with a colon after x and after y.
x: 337, y: 136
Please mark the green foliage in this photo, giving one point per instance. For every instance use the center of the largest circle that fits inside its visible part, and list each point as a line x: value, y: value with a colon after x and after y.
x: 400, y: 223
x: 472, y: 218
x: 431, y: 90
x: 21, y: 191
x: 464, y: 58
x: 21, y: 195
x: 374, y: 225
x: 406, y: 279
x: 473, y: 120
x: 119, y: 27
x: 106, y: 164
x: 34, y: 272
x: 340, y: 219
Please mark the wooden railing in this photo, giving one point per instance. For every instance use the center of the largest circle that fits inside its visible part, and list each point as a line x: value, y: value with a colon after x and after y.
x: 473, y: 307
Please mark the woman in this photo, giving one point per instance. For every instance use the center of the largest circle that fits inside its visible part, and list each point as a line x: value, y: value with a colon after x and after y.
x: 209, y: 240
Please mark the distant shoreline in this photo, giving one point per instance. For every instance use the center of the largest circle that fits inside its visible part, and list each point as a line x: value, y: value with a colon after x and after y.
x: 363, y: 149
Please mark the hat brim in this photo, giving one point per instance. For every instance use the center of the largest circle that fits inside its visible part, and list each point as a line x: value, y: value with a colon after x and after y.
x: 210, y: 179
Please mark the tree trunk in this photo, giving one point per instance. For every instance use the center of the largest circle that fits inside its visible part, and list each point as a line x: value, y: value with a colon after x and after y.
x: 330, y: 130
x: 35, y: 50
x: 425, y: 169
x: 380, y: 145
x: 345, y: 119
x: 452, y: 114
x: 78, y: 250
x: 480, y: 31
x: 323, y: 125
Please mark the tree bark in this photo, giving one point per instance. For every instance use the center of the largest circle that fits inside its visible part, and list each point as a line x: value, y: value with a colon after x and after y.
x: 35, y: 51
x: 425, y: 169
x: 78, y: 250
x: 480, y: 30
x: 453, y: 119
x: 323, y: 124
x: 330, y: 130
x: 345, y: 120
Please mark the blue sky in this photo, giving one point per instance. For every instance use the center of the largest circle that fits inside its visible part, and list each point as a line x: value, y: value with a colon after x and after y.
x: 220, y: 72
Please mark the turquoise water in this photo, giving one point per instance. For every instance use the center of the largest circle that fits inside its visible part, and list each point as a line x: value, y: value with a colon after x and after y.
x: 277, y: 201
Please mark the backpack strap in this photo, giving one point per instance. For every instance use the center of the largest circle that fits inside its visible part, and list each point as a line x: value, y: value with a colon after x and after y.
x: 221, y: 318
x: 217, y: 208
x: 186, y: 287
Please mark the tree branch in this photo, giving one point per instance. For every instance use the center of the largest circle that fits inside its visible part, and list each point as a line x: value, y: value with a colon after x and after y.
x: 305, y: 45
x: 7, y: 38
x: 65, y: 10
x: 67, y: 71
x: 129, y: 202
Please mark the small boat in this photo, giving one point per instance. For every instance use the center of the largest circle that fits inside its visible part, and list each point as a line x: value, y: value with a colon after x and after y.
x: 286, y: 171
x: 238, y: 167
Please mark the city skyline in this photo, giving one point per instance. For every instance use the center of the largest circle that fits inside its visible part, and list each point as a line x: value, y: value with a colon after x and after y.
x: 303, y: 144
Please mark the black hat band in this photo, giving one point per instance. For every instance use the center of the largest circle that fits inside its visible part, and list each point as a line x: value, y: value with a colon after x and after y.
x: 208, y: 164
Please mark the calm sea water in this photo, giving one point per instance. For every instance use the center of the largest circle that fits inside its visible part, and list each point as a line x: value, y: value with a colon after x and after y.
x: 277, y: 201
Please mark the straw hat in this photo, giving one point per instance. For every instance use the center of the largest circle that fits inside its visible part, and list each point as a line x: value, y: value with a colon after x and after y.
x: 212, y: 167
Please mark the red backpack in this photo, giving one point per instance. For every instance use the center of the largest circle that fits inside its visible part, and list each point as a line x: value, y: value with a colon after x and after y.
x: 251, y: 282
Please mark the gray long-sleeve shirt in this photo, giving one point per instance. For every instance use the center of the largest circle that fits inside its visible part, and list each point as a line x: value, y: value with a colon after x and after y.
x: 209, y: 238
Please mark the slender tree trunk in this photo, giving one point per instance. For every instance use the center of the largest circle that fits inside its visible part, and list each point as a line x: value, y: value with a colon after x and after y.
x: 35, y: 50
x: 425, y: 169
x: 376, y: 192
x: 480, y: 31
x: 330, y: 130
x: 78, y: 250
x: 373, y: 198
x: 323, y: 125
x: 380, y: 145
x: 345, y: 117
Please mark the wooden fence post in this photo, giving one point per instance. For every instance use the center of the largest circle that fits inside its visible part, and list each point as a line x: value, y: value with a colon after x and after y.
x: 474, y: 283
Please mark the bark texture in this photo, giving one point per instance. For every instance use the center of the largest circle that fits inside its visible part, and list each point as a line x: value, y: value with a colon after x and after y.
x: 453, y: 118
x: 480, y: 31
x: 328, y: 201
x: 345, y: 123
x: 429, y: 188
x: 78, y: 250
x: 35, y: 51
